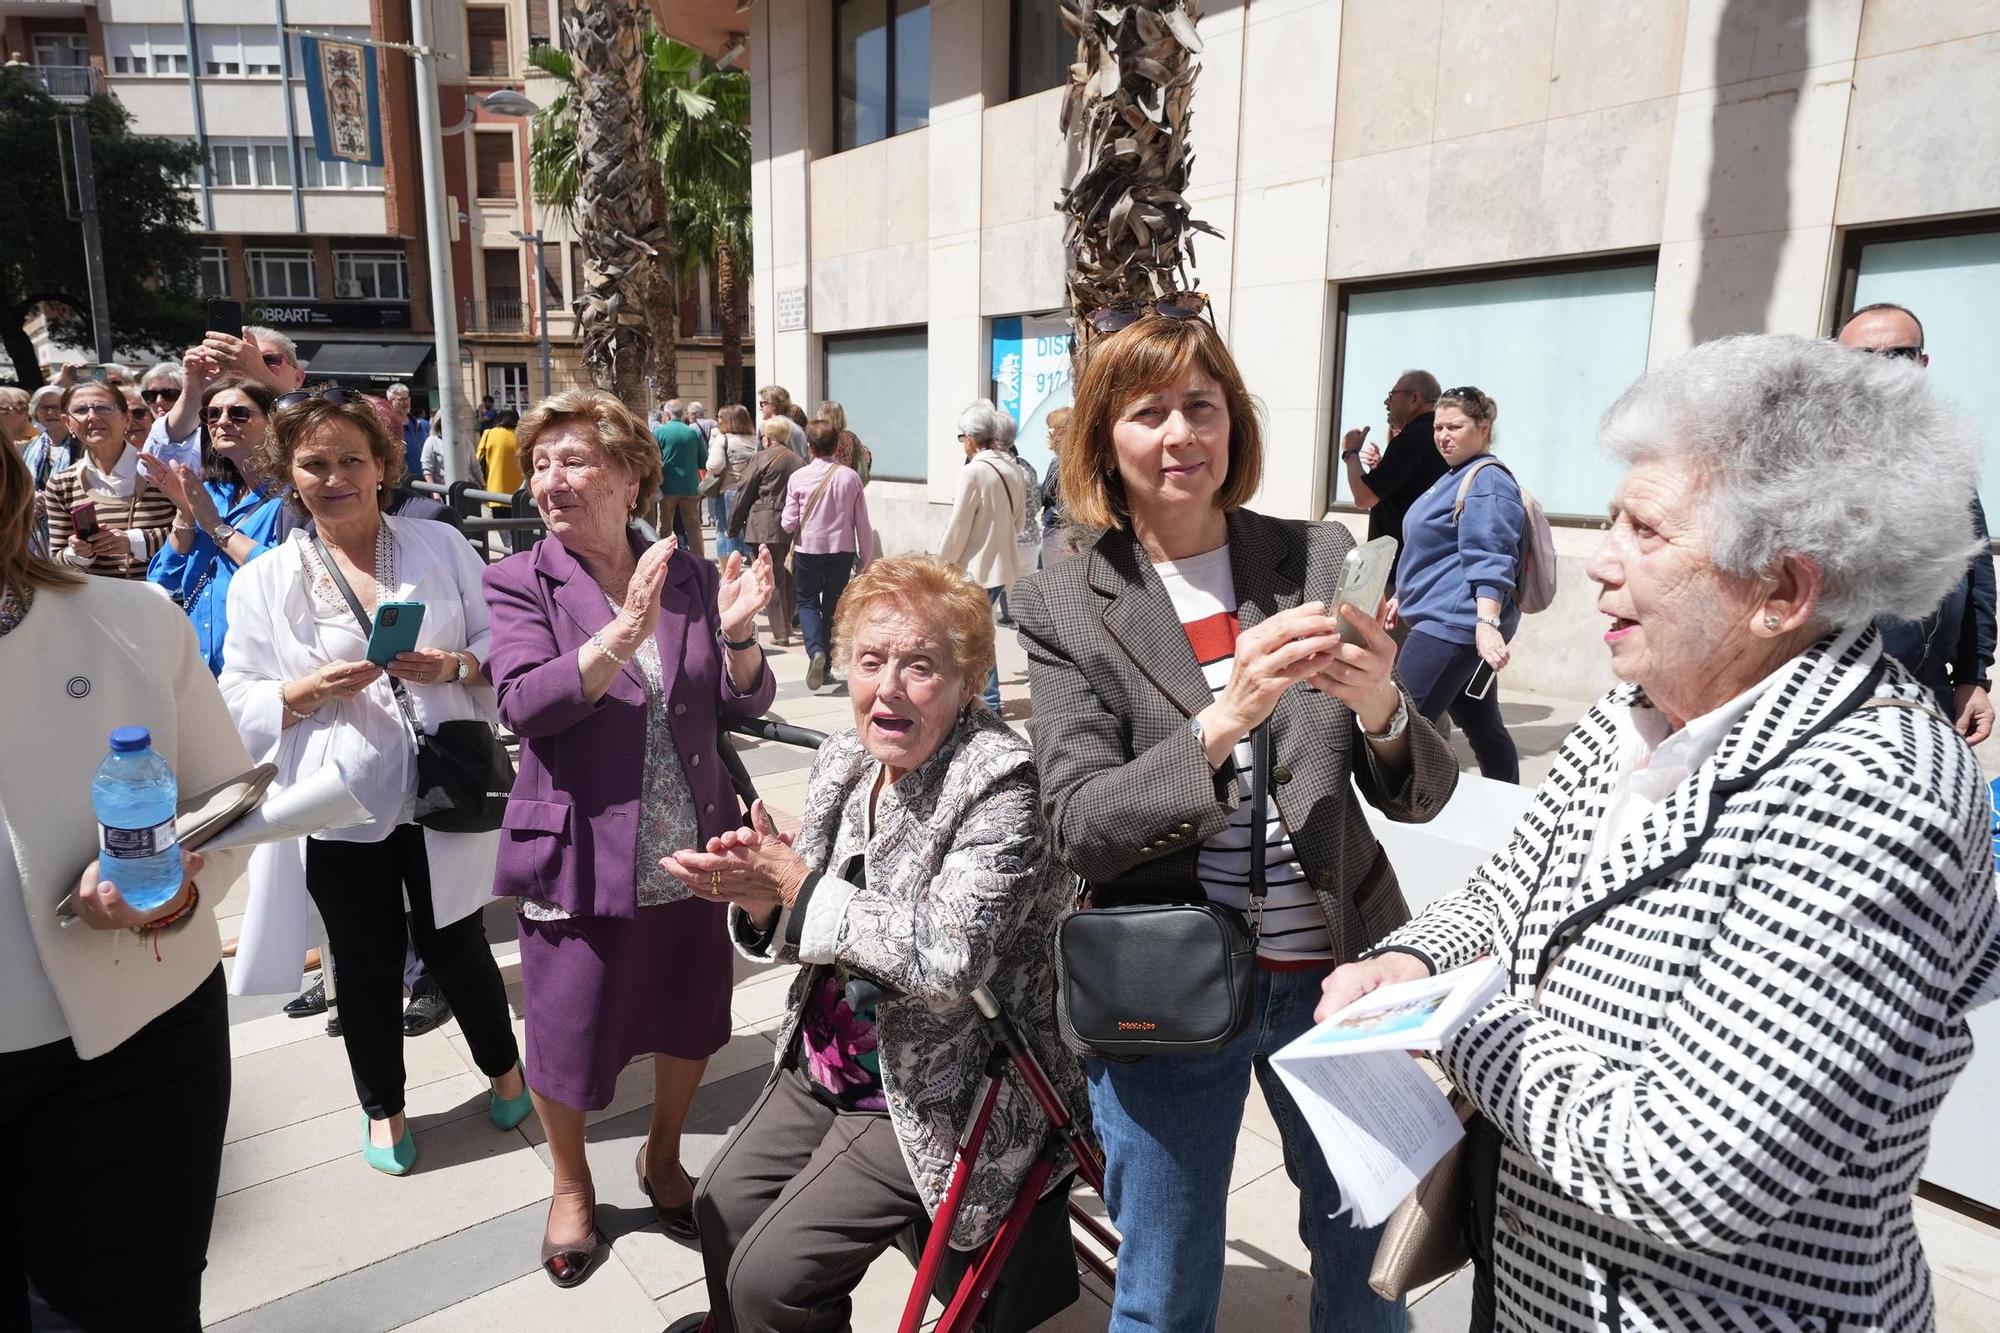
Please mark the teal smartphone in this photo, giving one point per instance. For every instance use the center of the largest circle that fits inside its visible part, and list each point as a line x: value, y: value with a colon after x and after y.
x: 396, y: 626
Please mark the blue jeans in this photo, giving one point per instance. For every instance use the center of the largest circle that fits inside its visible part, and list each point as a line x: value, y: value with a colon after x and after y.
x: 719, y: 506
x: 822, y: 579
x: 991, y: 694
x: 1168, y: 1126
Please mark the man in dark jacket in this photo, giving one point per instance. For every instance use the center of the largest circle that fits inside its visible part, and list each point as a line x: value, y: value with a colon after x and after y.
x: 1951, y: 649
x: 1386, y: 482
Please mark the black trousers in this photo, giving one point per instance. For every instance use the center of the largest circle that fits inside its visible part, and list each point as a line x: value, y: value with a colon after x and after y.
x: 358, y: 888
x: 108, y: 1172
x: 1436, y: 673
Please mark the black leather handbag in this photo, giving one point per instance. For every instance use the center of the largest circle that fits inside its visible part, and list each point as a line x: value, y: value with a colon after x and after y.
x: 464, y: 773
x: 1171, y: 978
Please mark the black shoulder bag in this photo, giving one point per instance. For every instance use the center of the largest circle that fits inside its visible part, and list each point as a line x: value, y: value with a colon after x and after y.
x: 1166, y: 978
x: 463, y: 771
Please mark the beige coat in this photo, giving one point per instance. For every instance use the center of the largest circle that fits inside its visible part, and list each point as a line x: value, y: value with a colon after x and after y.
x: 85, y: 661
x: 986, y: 519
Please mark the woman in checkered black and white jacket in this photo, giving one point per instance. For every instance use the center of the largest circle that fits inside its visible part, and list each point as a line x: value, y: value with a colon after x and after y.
x: 1749, y: 909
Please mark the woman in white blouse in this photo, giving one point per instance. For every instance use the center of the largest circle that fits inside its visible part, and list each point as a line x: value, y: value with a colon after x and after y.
x: 304, y: 696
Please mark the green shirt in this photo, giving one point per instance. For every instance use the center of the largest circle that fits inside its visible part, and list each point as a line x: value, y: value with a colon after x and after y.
x: 681, y: 453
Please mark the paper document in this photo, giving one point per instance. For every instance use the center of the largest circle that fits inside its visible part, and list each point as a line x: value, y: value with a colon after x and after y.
x: 314, y: 804
x: 1381, y: 1121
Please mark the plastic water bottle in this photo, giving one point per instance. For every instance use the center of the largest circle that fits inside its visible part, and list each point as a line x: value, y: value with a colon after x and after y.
x: 134, y: 795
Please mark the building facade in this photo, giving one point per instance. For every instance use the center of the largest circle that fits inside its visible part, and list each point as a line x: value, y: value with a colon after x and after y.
x: 1542, y: 197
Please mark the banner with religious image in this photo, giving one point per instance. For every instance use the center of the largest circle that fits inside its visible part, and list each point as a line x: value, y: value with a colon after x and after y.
x: 343, y: 92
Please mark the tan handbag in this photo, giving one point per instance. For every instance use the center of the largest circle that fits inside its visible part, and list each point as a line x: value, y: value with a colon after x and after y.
x: 812, y: 503
x: 1424, y: 1239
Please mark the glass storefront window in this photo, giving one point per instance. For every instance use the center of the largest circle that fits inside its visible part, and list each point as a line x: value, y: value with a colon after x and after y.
x: 1553, y: 348
x: 883, y: 380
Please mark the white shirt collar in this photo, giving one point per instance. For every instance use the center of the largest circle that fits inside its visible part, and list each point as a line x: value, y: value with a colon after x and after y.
x: 122, y: 478
x: 1649, y: 746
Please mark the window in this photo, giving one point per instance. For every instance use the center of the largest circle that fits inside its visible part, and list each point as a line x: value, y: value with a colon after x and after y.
x: 145, y: 48
x: 883, y: 380
x: 1043, y: 49
x: 248, y: 163
x: 507, y: 381
x: 502, y: 270
x: 371, y: 275
x: 494, y: 152
x: 69, y: 49
x: 1949, y: 282
x: 1553, y: 347
x: 882, y: 69
x: 575, y: 272
x: 335, y: 175
x: 228, y: 51
x: 486, y: 43
x: 214, y: 271
x: 281, y: 274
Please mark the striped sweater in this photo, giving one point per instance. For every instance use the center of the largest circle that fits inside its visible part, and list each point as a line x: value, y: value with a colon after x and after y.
x: 1718, y: 1061
x: 147, y: 512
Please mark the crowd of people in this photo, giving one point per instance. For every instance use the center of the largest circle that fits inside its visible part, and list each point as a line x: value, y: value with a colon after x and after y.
x: 1741, y: 922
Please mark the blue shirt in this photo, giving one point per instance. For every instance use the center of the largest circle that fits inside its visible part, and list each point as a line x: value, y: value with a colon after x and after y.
x: 1446, y: 567
x: 415, y: 431
x: 199, y: 580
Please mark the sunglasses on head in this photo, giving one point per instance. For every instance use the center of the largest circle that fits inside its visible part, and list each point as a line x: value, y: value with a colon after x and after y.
x: 166, y: 395
x: 1906, y: 353
x: 236, y: 412
x: 1124, y: 314
x: 336, y: 396
x: 1464, y: 391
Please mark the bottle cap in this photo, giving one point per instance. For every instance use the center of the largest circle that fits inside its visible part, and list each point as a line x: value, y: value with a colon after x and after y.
x: 128, y: 740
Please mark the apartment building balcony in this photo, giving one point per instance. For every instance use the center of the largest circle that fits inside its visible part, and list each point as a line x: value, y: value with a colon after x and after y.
x: 65, y: 83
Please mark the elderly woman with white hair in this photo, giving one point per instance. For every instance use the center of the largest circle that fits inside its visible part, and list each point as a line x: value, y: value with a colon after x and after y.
x: 987, y: 513
x: 1746, y: 915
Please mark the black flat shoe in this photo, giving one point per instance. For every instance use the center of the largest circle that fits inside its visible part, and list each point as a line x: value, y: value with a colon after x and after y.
x: 310, y: 1001
x: 427, y: 1009
x: 568, y: 1265
x: 677, y: 1222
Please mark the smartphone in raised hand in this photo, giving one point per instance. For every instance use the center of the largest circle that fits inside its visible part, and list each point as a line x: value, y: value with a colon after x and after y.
x: 1364, y: 580
x: 225, y: 317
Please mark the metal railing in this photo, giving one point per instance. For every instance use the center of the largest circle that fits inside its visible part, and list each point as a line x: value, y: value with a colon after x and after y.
x: 65, y: 83
x: 497, y: 314
x: 518, y: 531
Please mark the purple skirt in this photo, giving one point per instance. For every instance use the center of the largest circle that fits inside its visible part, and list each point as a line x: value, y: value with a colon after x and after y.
x: 598, y: 992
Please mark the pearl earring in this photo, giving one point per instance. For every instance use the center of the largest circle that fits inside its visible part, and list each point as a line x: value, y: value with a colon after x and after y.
x: 1770, y: 621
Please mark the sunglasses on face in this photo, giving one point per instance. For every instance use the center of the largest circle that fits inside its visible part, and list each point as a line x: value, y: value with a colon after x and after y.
x: 337, y: 397
x: 236, y: 412
x: 275, y: 360
x: 1905, y: 353
x: 160, y: 395
x: 11, y: 408
x: 1124, y: 314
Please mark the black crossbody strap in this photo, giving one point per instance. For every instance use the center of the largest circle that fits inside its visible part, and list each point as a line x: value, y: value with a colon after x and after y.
x: 1260, y: 797
x: 361, y: 618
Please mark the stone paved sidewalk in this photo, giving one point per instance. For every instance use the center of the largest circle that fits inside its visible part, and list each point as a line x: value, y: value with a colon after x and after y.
x: 310, y: 1240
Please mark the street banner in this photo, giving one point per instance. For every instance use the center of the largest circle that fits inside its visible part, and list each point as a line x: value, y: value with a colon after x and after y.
x: 344, y: 95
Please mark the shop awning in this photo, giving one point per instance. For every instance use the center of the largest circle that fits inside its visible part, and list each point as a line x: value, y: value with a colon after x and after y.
x: 374, y: 362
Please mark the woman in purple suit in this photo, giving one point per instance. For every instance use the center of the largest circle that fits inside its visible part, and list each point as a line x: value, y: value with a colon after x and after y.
x: 614, y: 662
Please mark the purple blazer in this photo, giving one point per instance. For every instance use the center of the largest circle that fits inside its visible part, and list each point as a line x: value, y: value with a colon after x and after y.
x: 572, y: 826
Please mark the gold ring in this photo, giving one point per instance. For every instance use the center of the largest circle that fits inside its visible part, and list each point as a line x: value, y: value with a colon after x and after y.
x: 715, y: 883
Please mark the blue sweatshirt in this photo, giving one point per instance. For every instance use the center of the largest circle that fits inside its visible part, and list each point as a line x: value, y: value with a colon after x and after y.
x: 1446, y: 567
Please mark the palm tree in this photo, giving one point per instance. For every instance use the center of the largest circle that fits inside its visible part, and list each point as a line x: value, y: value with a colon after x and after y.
x: 618, y: 225
x: 697, y: 123
x: 1130, y: 235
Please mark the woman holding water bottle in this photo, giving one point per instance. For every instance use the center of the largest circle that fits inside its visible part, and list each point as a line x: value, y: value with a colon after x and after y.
x: 114, y: 1040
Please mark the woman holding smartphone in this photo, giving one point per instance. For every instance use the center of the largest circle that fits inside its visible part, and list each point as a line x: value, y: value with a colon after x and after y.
x: 298, y: 680
x: 1153, y: 656
x: 104, y: 516
x: 1455, y: 584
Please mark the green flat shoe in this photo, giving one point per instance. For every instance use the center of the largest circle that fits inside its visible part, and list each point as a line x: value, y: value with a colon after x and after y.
x: 395, y: 1160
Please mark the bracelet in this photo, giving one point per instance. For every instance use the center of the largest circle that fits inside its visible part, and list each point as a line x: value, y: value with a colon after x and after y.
x: 1350, y: 454
x: 597, y: 642
x: 291, y: 712
x: 744, y: 646
x: 154, y: 928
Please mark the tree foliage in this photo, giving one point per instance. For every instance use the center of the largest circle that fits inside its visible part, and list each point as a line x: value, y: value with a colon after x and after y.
x: 147, y: 220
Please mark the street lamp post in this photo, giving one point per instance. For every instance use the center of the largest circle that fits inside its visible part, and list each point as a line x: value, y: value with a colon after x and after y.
x: 541, y: 298
x: 437, y: 239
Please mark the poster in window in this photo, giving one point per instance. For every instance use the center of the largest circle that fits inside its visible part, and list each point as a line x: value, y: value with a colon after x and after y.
x: 1031, y: 378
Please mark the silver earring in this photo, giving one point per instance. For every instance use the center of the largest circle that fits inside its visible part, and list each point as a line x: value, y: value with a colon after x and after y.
x: 1770, y: 621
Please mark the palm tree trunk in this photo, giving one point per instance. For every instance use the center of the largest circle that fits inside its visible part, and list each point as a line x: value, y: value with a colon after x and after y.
x: 1129, y: 234
x: 615, y: 220
x: 732, y: 321
x: 663, y: 303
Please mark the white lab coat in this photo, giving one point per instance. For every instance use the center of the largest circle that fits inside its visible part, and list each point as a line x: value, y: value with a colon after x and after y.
x: 274, y: 637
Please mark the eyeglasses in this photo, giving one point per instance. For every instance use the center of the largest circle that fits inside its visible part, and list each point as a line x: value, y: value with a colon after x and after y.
x: 338, y: 397
x: 96, y: 410
x: 275, y: 360
x: 167, y: 395
x: 1124, y: 314
x: 236, y: 412
x: 1906, y: 353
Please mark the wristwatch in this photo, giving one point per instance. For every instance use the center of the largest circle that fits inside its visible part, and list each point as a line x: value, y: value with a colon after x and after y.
x: 1398, y: 721
x: 221, y: 532
x: 464, y: 667
x: 1350, y: 454
x: 1494, y: 621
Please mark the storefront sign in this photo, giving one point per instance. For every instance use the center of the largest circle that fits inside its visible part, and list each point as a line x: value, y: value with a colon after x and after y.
x: 330, y: 314
x: 1031, y: 378
x: 791, y: 309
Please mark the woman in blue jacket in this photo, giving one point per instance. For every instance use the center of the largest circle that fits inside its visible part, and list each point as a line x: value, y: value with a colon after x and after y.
x: 1456, y: 582
x: 224, y: 516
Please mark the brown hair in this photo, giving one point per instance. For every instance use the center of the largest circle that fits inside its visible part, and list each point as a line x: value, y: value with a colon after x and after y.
x: 777, y: 396
x: 822, y: 438
x: 20, y: 567
x: 833, y: 414
x: 1147, y: 357
x: 734, y: 419
x: 928, y: 588
x: 295, y: 425
x: 115, y: 392
x: 620, y: 433
x: 1483, y: 408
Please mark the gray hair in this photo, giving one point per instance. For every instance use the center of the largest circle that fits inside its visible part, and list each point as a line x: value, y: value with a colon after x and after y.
x: 672, y: 409
x: 695, y: 409
x: 168, y: 371
x: 1787, y: 435
x: 1007, y: 427
x: 42, y: 395
x: 1420, y: 382
x: 259, y: 334
x: 981, y: 420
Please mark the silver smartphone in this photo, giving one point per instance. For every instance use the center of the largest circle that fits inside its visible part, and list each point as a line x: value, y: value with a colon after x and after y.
x: 1363, y: 581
